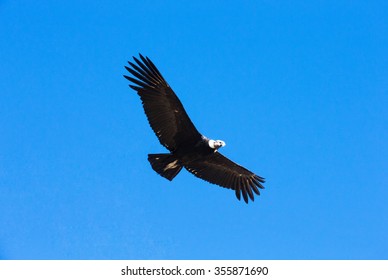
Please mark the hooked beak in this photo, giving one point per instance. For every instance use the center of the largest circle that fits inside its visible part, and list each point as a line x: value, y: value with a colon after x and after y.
x: 221, y: 143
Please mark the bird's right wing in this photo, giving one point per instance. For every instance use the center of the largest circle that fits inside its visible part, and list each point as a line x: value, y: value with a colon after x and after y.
x: 165, y: 113
x: 218, y: 169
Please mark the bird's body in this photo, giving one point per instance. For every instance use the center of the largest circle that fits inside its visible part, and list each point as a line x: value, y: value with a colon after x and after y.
x: 189, y: 152
x: 175, y: 131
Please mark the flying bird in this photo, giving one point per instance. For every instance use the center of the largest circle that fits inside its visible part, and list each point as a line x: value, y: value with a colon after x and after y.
x: 188, y: 147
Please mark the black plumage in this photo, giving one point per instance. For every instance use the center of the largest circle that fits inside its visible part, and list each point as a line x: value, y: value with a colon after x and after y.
x: 175, y: 131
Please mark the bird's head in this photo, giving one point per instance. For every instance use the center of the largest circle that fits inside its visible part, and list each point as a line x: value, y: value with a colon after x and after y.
x: 216, y: 144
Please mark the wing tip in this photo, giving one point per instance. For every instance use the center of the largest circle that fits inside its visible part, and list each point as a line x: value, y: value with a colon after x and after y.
x: 248, y: 188
x: 238, y: 193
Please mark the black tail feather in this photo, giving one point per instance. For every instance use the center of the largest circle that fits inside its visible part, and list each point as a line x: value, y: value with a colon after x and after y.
x: 165, y: 165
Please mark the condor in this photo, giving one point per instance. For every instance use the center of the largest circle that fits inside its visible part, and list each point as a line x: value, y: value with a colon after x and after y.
x: 188, y: 148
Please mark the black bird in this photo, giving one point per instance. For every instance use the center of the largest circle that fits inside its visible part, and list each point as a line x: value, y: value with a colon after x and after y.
x: 175, y: 131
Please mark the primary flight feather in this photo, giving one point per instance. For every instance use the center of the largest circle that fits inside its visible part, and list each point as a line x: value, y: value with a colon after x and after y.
x: 175, y: 131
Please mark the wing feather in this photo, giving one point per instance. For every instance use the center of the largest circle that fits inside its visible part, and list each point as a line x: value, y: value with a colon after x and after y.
x: 139, y: 75
x: 248, y: 188
x: 139, y: 83
x: 244, y: 190
x: 151, y: 66
x: 238, y: 194
x: 141, y: 71
x: 254, y: 188
x: 148, y: 71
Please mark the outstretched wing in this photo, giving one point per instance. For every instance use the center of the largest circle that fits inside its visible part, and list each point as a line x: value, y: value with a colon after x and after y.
x: 165, y: 113
x: 219, y: 170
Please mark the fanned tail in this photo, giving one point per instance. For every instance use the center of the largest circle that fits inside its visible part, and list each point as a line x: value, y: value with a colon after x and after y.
x: 165, y: 165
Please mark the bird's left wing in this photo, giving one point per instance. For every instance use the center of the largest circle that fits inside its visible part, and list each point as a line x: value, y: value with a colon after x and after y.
x: 165, y: 113
x: 218, y: 169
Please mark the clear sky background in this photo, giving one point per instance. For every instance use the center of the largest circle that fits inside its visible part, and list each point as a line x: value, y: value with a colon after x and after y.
x: 298, y: 90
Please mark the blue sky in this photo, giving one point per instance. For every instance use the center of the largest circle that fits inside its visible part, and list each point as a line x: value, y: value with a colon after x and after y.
x: 297, y: 90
